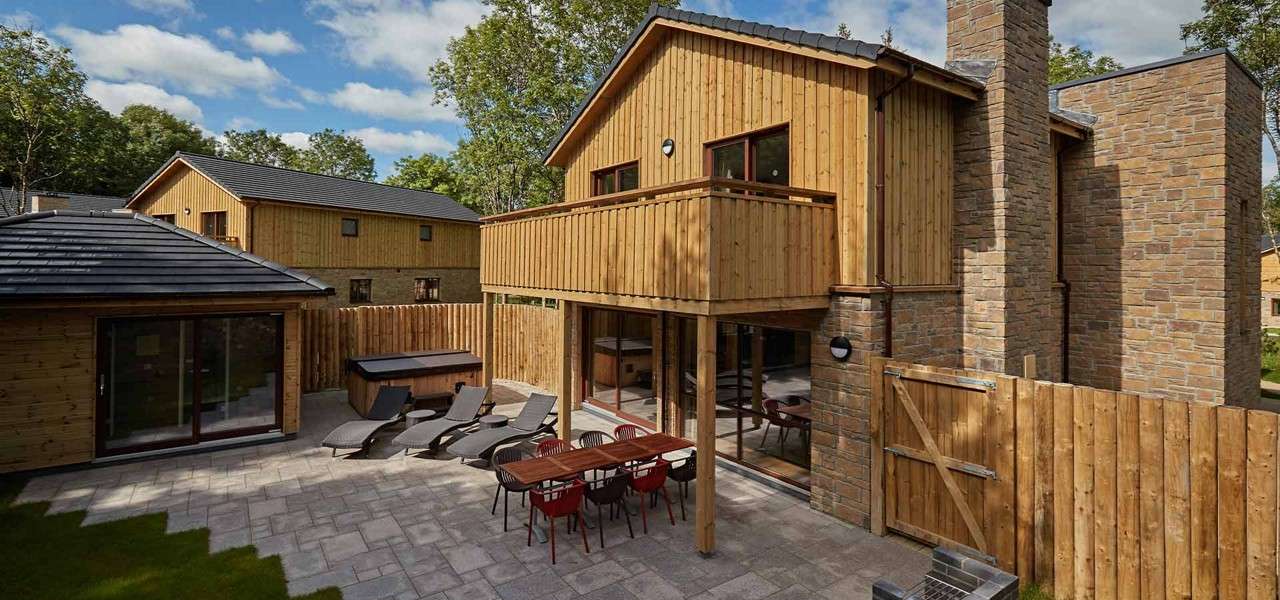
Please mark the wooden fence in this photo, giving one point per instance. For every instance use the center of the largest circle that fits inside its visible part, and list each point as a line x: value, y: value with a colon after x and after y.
x: 1115, y: 495
x: 522, y: 336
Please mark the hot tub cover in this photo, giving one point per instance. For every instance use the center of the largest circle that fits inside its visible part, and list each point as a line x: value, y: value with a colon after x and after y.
x: 413, y: 364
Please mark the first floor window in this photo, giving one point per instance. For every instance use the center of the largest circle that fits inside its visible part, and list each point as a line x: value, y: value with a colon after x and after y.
x: 1275, y: 307
x: 763, y: 157
x: 213, y: 225
x: 424, y: 233
x: 619, y: 178
x: 426, y: 289
x: 361, y: 290
x: 350, y: 227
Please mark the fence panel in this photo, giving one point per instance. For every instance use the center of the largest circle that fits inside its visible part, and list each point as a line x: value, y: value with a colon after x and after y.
x: 522, y: 335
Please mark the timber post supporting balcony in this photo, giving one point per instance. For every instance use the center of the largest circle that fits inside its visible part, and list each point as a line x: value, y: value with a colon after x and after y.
x: 690, y: 247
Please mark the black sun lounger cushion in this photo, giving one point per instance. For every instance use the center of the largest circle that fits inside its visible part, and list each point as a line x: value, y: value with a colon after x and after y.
x: 464, y: 411
x: 385, y: 411
x: 530, y: 422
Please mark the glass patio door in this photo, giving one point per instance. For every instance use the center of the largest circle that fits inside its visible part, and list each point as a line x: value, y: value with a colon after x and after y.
x: 621, y: 364
x: 165, y: 382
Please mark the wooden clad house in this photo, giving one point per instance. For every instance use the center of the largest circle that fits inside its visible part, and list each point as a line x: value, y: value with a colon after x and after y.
x: 379, y: 244
x: 121, y: 334
x: 753, y: 212
x: 1270, y: 269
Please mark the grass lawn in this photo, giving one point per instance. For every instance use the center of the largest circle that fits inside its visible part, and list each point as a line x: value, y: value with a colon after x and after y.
x: 1271, y: 356
x: 53, y: 557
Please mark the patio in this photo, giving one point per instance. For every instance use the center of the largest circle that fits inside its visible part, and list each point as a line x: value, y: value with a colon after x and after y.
x: 419, y: 528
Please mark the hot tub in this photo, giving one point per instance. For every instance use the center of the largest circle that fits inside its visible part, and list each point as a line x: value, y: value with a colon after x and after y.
x: 427, y: 373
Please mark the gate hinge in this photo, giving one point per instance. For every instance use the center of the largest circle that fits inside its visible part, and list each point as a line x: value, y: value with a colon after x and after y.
x: 969, y: 468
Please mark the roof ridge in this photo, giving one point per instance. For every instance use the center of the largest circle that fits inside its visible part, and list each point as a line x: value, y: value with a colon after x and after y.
x: 254, y: 164
x: 237, y: 252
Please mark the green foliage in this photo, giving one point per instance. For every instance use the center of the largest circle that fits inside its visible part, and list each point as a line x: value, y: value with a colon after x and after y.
x: 154, y: 134
x: 1033, y: 591
x: 516, y: 78
x: 1251, y: 30
x: 427, y: 172
x: 53, y: 557
x: 257, y: 146
x: 1271, y: 204
x: 1067, y: 63
x: 334, y: 153
x: 51, y: 133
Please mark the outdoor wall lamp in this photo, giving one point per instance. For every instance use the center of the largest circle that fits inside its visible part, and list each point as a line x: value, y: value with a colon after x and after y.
x: 186, y: 211
x: 841, y: 348
x: 668, y: 147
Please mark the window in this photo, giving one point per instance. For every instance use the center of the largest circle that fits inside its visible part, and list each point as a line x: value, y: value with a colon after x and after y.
x: 619, y: 178
x: 213, y: 225
x: 361, y: 290
x: 1275, y: 307
x: 350, y: 227
x: 426, y: 289
x: 763, y: 157
x: 424, y: 233
x: 166, y: 218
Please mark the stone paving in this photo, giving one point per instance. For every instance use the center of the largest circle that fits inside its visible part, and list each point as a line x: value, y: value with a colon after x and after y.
x: 383, y: 527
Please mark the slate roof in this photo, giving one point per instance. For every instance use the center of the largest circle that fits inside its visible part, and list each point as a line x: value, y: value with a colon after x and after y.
x: 94, y: 254
x: 830, y: 43
x: 249, y: 180
x: 74, y: 201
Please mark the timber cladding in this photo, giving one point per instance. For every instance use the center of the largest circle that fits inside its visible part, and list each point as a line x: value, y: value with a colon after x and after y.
x: 48, y: 365
x: 696, y: 88
x: 523, y: 337
x: 186, y: 194
x: 1091, y: 493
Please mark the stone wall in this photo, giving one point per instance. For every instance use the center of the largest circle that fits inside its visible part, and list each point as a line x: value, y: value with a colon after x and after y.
x: 1160, y: 232
x: 395, y: 286
x: 926, y: 330
x: 1002, y: 193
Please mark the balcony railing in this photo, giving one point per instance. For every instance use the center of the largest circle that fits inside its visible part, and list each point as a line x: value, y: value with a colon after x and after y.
x: 706, y: 239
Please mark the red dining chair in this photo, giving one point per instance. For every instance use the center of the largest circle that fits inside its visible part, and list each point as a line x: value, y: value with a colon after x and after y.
x: 554, y: 446
x: 560, y: 501
x: 629, y: 432
x: 651, y: 479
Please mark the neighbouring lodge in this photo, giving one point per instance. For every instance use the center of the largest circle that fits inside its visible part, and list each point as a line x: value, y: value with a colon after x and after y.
x: 122, y: 334
x: 753, y: 212
x: 379, y: 244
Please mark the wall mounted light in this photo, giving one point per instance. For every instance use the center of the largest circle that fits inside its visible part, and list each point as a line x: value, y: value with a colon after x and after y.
x: 841, y: 348
x: 186, y: 211
x: 668, y: 147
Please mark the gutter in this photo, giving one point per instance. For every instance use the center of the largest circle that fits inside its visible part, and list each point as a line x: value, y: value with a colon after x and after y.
x: 881, y: 280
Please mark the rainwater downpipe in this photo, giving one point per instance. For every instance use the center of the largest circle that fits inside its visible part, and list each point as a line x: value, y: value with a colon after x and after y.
x: 1062, y: 274
x: 881, y: 280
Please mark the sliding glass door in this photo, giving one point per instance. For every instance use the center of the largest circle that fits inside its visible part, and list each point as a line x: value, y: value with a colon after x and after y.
x: 621, y: 364
x: 165, y: 382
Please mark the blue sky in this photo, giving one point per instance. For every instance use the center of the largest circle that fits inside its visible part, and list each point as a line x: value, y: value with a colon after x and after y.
x: 293, y: 67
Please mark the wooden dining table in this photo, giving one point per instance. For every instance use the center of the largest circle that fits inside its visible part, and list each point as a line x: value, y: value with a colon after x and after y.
x: 803, y: 411
x: 548, y: 468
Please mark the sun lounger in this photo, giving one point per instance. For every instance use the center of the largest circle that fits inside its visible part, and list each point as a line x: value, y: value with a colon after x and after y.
x: 531, y: 421
x: 463, y: 412
x: 358, y: 435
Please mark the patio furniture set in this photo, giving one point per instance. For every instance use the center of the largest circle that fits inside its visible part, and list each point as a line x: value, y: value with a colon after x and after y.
x: 630, y: 462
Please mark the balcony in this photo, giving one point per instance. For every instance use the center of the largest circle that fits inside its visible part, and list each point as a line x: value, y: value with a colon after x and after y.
x: 703, y: 246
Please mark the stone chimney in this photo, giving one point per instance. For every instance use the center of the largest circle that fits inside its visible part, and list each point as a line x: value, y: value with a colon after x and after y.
x: 43, y: 201
x: 1005, y: 225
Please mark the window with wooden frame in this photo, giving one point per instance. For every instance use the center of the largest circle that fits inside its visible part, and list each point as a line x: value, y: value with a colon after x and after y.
x: 361, y: 290
x: 618, y: 178
x: 424, y: 233
x: 213, y: 224
x: 350, y: 227
x: 1275, y: 307
x: 169, y: 218
x: 426, y: 289
x: 762, y: 156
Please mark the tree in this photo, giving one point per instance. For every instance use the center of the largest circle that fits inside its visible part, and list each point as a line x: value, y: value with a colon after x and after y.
x: 1067, y: 63
x: 334, y: 153
x: 1251, y: 30
x: 516, y: 78
x: 154, y: 134
x: 427, y: 172
x: 46, y: 120
x: 258, y: 146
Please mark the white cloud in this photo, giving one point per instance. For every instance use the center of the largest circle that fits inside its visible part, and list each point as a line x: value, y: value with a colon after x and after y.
x: 21, y: 19
x: 297, y: 139
x: 389, y: 103
x: 405, y: 35
x: 919, y: 26
x: 150, y: 55
x: 719, y: 8
x: 238, y: 123
x: 1147, y: 32
x: 394, y: 142
x: 309, y: 95
x: 271, y: 42
x: 115, y: 96
x: 225, y: 33
x: 164, y: 7
x: 281, y: 103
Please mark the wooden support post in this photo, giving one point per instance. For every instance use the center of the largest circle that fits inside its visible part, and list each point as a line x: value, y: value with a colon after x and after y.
x: 486, y: 356
x: 1029, y: 366
x: 705, y: 514
x: 757, y: 374
x: 658, y: 338
x: 876, y: 431
x: 564, y: 405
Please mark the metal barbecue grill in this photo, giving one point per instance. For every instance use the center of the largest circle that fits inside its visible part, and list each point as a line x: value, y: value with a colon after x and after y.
x: 953, y: 577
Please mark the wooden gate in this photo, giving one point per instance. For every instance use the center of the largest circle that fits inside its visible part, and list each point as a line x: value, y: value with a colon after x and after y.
x: 943, y: 457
